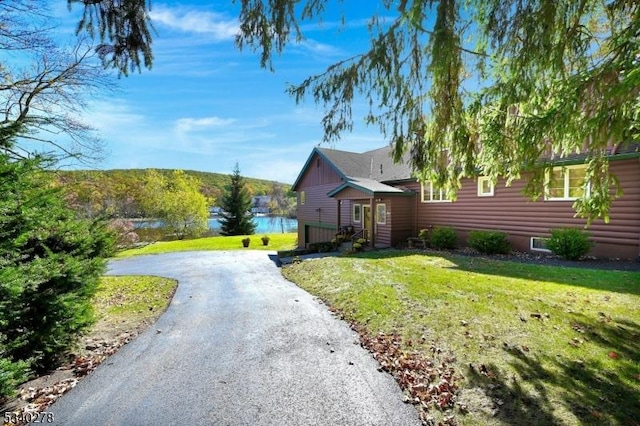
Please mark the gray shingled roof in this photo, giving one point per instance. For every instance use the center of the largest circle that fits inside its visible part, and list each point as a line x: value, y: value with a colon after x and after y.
x: 376, y: 165
x: 368, y: 186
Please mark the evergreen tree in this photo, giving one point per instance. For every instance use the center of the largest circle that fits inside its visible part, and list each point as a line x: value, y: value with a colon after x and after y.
x: 463, y: 86
x: 50, y: 266
x: 236, y: 203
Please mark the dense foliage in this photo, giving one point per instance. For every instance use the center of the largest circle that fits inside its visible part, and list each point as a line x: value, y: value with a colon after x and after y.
x: 177, y: 202
x: 489, y: 85
x: 119, y: 193
x: 489, y: 242
x: 235, y: 218
x: 50, y: 264
x: 443, y: 238
x: 569, y: 243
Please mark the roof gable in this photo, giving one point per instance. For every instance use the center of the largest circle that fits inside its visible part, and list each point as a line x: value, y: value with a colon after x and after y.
x: 316, y: 152
x: 376, y: 165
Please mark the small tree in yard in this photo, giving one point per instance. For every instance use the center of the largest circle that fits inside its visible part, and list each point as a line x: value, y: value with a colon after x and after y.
x: 177, y: 202
x: 236, y: 203
x: 50, y: 265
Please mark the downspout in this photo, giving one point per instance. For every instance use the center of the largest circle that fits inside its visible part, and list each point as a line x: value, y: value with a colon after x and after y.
x: 416, y: 205
x: 373, y: 221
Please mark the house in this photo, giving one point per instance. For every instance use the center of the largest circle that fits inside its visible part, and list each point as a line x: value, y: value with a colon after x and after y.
x: 380, y: 199
x: 260, y: 204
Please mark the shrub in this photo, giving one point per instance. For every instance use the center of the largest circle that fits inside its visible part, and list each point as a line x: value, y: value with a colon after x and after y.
x: 265, y: 240
x: 569, y: 243
x: 357, y: 246
x: 12, y: 374
x: 423, y: 234
x: 246, y: 241
x: 50, y: 266
x: 125, y: 233
x: 444, y: 238
x: 489, y: 242
x: 322, y: 247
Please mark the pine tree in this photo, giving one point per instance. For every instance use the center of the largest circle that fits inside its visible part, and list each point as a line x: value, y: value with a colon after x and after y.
x: 236, y: 203
x: 462, y: 86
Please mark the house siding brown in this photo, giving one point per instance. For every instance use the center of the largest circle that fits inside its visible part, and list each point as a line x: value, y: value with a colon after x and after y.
x: 401, y: 219
x: 318, y: 216
x: 509, y: 211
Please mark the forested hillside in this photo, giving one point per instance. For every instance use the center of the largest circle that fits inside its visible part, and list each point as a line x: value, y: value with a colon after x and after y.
x: 118, y: 192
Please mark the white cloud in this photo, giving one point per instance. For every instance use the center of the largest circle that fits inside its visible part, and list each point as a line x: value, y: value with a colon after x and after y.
x: 216, y: 25
x: 184, y: 125
x: 320, y: 48
x: 112, y: 116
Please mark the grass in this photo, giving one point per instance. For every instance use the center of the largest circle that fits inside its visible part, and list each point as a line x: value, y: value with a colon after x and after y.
x: 276, y: 242
x: 540, y: 344
x: 129, y: 299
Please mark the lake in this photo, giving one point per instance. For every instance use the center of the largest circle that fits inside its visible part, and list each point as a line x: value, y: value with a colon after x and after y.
x: 264, y: 224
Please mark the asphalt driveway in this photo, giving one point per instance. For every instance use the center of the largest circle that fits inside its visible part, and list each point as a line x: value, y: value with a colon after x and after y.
x: 239, y: 345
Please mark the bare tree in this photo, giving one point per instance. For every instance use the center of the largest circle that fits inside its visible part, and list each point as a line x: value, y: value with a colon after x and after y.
x: 44, y: 88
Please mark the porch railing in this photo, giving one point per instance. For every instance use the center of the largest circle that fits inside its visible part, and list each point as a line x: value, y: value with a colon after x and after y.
x: 362, y: 233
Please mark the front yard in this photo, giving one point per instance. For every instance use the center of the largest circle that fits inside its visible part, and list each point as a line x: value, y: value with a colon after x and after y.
x: 478, y: 341
x: 276, y: 242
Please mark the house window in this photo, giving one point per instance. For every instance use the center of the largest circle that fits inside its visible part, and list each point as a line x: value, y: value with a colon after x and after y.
x: 303, y: 198
x: 485, y: 187
x: 433, y: 194
x: 539, y: 244
x: 381, y: 214
x: 357, y: 215
x: 566, y: 183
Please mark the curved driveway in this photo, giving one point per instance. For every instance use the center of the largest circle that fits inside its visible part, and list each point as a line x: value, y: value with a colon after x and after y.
x: 239, y: 345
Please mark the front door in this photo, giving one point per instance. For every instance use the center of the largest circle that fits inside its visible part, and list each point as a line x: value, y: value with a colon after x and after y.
x: 366, y: 221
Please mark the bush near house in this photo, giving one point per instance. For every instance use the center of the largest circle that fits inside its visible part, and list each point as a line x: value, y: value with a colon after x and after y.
x: 489, y: 242
x: 322, y: 247
x: 444, y: 238
x: 569, y: 243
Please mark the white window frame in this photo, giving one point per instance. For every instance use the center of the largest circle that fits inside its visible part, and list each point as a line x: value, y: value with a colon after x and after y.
x: 382, y: 215
x: 353, y: 213
x: 481, y: 181
x: 566, y: 173
x: 542, y: 249
x: 441, y: 191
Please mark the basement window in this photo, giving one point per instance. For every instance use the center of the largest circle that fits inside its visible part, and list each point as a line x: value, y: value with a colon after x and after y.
x: 539, y: 244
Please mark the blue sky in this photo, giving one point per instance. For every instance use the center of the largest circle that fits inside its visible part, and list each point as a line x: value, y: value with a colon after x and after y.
x: 206, y: 105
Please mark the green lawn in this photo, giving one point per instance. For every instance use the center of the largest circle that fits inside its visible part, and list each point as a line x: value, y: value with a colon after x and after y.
x: 528, y: 344
x: 277, y: 242
x: 134, y: 298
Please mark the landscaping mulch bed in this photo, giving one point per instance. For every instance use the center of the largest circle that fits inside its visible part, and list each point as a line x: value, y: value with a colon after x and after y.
x: 632, y: 265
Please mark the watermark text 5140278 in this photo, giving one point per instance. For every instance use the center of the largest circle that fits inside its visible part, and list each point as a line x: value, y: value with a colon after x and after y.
x: 23, y: 418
